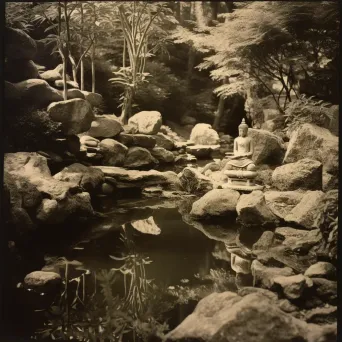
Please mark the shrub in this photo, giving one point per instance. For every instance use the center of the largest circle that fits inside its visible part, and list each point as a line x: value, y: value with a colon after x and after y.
x: 29, y: 130
x: 307, y: 110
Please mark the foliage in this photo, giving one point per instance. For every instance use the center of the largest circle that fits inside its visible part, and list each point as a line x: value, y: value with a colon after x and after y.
x: 30, y: 129
x: 164, y: 91
x: 307, y: 110
x: 265, y: 41
x: 18, y: 15
x: 223, y: 280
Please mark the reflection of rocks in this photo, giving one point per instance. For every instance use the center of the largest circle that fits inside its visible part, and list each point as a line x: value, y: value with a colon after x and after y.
x: 147, y: 226
x: 218, y: 202
x: 216, y: 232
x: 222, y: 317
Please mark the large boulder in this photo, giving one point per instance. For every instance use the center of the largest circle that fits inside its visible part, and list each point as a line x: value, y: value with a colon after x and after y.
x: 139, y: 157
x: 95, y: 99
x: 202, y: 151
x: 217, y: 202
x: 164, y: 141
x: 74, y: 94
x: 311, y: 141
x: 226, y: 316
x: 204, y: 134
x: 292, y: 286
x: 304, y: 174
x: 70, y: 85
x: 20, y: 70
x: 37, y: 92
x: 43, y: 281
x: 48, y: 199
x: 75, y: 115
x: 305, y: 213
x: 282, y: 202
x: 162, y: 155
x: 114, y: 153
x: 141, y: 179
x: 146, y: 122
x: 321, y: 269
x: 193, y: 181
x: 268, y: 148
x: 147, y: 226
x: 86, y: 177
x: 53, y: 75
x: 105, y: 126
x: 252, y: 210
x: 141, y: 140
x: 19, y: 45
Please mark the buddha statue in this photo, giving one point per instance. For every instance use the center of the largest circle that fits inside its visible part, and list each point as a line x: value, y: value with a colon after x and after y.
x: 243, y: 151
x: 240, y: 168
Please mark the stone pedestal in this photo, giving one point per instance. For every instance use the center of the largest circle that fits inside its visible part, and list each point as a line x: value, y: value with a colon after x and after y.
x: 242, y: 180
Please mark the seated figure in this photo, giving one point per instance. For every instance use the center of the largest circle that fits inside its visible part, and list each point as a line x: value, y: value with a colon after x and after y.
x: 240, y: 168
x: 243, y: 151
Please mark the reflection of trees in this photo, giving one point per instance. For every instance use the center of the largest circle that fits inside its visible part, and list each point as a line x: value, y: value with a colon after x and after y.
x: 83, y: 313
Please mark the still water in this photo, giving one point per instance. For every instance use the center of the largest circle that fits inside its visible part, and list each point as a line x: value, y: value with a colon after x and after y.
x: 134, y: 274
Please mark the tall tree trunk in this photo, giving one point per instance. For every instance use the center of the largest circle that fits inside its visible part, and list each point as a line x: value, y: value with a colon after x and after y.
x: 74, y: 69
x: 93, y: 80
x: 127, y: 106
x: 178, y: 10
x: 220, y: 109
x: 82, y: 74
x: 64, y: 76
x: 191, y: 64
x: 214, y: 9
x: 82, y: 40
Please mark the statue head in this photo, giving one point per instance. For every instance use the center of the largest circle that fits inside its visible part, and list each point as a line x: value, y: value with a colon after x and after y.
x: 243, y: 129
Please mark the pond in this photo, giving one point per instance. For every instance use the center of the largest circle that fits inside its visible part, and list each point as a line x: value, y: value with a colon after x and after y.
x: 134, y: 274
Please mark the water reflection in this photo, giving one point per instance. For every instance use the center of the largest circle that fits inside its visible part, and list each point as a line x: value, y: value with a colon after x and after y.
x: 142, y: 278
